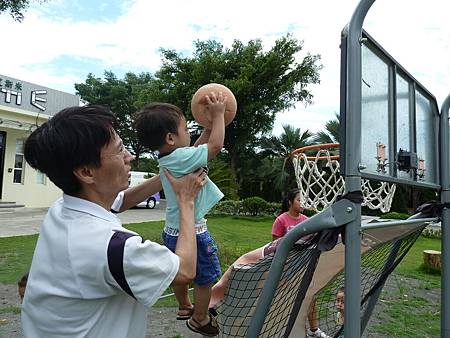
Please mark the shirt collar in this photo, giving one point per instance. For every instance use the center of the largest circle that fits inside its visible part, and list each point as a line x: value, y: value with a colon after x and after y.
x: 161, y: 155
x: 85, y: 206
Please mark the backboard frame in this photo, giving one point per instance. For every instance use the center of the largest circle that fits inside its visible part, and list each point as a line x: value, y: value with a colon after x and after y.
x: 415, y: 88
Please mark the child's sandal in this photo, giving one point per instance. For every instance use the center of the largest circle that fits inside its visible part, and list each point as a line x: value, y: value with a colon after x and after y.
x: 187, y: 313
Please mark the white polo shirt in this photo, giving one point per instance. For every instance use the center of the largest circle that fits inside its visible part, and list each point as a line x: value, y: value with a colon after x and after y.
x: 90, y: 277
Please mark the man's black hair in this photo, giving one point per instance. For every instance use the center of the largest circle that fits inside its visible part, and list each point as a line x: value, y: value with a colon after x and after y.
x: 71, y: 139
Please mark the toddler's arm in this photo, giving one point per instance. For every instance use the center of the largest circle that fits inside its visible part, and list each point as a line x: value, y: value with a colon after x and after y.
x: 204, y: 137
x: 216, y: 103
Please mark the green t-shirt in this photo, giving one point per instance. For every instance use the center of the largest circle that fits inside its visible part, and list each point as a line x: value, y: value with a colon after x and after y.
x: 180, y: 162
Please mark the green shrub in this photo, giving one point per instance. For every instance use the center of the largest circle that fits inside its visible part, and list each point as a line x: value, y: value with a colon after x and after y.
x: 272, y: 209
x: 432, y: 233
x: 228, y: 207
x: 309, y: 212
x: 249, y: 206
x: 370, y: 212
x: 254, y: 205
x: 394, y: 215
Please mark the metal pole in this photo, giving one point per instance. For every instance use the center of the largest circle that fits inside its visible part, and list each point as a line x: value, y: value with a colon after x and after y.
x: 445, y: 224
x: 419, y: 219
x: 352, y: 327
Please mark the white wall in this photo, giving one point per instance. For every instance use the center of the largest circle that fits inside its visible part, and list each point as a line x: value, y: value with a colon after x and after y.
x: 29, y: 192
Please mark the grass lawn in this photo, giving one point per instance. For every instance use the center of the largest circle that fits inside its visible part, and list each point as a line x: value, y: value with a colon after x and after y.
x: 411, y: 265
x: 15, y: 257
x: 235, y: 236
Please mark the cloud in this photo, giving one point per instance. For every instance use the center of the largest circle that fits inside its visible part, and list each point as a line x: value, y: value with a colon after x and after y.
x: 415, y: 34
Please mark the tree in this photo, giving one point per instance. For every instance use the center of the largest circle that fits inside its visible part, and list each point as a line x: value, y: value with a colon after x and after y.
x: 264, y: 83
x: 221, y: 174
x: 16, y: 7
x: 331, y: 132
x: 121, y: 96
x: 276, y: 152
x: 290, y: 139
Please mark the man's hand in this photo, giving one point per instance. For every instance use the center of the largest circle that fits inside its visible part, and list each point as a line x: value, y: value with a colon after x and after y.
x: 187, y: 187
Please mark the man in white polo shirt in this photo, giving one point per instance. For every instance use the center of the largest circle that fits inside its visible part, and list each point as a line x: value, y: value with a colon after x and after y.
x: 90, y: 277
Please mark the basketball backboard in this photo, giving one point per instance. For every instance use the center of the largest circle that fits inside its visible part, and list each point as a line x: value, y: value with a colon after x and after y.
x: 399, y: 121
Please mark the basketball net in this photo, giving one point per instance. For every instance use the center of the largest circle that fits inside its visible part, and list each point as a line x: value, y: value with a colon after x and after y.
x: 320, y: 183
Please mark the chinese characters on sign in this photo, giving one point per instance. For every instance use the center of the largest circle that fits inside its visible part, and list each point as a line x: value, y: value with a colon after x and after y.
x: 10, y: 92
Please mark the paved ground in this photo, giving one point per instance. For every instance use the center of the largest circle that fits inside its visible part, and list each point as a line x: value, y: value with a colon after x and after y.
x: 27, y: 221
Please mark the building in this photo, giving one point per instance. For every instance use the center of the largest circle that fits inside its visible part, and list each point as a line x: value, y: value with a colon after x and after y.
x: 23, y: 107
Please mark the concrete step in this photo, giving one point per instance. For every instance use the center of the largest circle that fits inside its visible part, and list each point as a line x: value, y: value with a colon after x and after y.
x: 6, y: 206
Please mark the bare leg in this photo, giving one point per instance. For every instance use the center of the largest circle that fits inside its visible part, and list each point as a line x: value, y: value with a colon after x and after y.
x: 312, y: 317
x: 218, y: 290
x: 202, y: 295
x: 182, y: 296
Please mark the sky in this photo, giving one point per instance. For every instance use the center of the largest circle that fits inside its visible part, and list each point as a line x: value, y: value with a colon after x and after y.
x: 61, y: 41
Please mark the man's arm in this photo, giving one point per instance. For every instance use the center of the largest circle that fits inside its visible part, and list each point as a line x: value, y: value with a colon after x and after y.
x: 186, y: 189
x: 135, y: 195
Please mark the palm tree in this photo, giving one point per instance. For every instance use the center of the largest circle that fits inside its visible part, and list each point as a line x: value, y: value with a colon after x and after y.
x: 290, y: 139
x: 331, y: 132
x: 277, y: 164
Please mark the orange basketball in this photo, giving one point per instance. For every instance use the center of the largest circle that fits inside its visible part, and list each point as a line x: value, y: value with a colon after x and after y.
x: 198, y: 104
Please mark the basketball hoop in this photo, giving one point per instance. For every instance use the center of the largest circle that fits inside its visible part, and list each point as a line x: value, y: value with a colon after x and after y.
x: 320, y: 183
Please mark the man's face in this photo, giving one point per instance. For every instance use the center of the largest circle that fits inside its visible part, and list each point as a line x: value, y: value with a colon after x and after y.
x: 114, y: 171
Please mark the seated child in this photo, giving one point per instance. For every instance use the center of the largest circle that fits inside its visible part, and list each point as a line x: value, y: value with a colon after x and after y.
x: 162, y: 127
x: 21, y: 285
x: 340, y: 306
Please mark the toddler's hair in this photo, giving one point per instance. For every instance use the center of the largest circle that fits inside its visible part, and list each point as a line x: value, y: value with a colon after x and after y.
x: 154, y: 121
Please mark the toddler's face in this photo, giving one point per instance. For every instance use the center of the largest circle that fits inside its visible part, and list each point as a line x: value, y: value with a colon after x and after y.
x: 183, y: 138
x: 340, y: 302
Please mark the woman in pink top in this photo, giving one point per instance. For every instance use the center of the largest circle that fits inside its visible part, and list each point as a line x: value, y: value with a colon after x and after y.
x: 290, y: 215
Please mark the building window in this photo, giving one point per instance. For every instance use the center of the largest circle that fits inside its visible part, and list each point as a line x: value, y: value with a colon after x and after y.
x: 40, y: 177
x: 19, y: 162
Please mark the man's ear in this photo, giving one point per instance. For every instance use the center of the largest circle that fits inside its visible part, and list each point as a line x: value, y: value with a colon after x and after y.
x: 84, y: 174
x: 169, y: 139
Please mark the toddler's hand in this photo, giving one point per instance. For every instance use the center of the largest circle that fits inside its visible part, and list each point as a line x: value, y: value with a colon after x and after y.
x: 215, y: 104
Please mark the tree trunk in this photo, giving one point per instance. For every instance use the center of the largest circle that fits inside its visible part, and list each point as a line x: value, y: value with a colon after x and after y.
x: 137, y: 156
x: 234, y: 156
x: 432, y: 259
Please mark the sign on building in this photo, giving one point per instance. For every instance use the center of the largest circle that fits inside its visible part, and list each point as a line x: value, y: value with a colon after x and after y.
x: 34, y: 98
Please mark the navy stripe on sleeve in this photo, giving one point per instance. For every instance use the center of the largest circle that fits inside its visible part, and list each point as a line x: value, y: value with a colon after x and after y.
x: 116, y: 249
